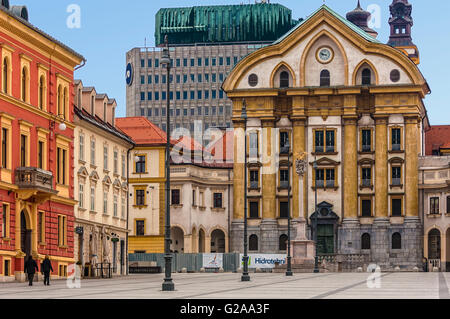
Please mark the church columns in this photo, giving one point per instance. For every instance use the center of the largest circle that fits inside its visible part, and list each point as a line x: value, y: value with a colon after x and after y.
x: 269, y: 181
x: 381, y: 167
x: 299, y: 186
x: 350, y: 169
x: 238, y: 171
x: 411, y: 174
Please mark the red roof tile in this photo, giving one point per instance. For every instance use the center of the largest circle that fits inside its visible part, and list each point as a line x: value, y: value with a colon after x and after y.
x: 141, y: 130
x: 437, y: 137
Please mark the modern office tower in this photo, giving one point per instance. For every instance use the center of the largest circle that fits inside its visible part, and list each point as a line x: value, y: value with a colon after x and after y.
x: 206, y: 43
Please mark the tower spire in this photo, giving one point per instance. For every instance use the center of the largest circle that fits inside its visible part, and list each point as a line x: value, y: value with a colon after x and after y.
x: 401, y: 23
x: 360, y: 18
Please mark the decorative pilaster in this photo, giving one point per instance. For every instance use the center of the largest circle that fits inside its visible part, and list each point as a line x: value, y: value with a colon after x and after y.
x: 269, y: 181
x: 350, y: 169
x: 238, y: 171
x: 381, y: 167
x: 299, y: 196
x: 411, y: 174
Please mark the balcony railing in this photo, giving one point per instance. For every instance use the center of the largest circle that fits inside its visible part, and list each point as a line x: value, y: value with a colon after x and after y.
x: 367, y: 182
x: 32, y: 177
x: 320, y: 183
x: 396, y: 147
x: 284, y: 150
x: 319, y: 149
x: 253, y: 185
x: 396, y: 181
x: 366, y: 148
x: 284, y: 184
x: 330, y: 149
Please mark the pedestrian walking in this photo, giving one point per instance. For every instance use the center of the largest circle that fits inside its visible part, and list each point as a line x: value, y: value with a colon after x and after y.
x: 46, y: 267
x: 30, y: 268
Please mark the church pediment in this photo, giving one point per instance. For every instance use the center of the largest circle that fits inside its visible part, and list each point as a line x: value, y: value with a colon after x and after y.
x: 82, y: 172
x: 107, y: 181
x: 94, y: 176
x: 324, y: 35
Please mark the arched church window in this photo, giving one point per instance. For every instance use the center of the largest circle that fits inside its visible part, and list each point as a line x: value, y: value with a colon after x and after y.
x: 366, y: 76
x: 284, y: 79
x: 396, y: 241
x: 325, y: 78
x: 365, y: 241
x: 253, y: 243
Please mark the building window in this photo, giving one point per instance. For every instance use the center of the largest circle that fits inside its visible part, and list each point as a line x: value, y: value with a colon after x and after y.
x: 81, y: 196
x: 105, y: 203
x: 448, y: 204
x: 254, y: 210
x: 93, y: 152
x: 325, y: 178
x: 284, y: 141
x: 284, y: 79
x: 366, y: 140
x: 325, y: 141
x: 396, y: 139
x: 253, y: 243
x: 40, y: 155
x: 115, y: 206
x: 366, y: 77
x: 140, y: 197
x: 140, y: 164
x: 253, y: 147
x: 366, y: 208
x: 434, y: 205
x: 41, y: 227
x: 284, y: 178
x: 23, y: 150
x: 4, y: 148
x: 5, y: 220
x: 42, y: 93
x: 92, y: 199
x: 123, y: 207
x: 365, y: 241
x: 140, y: 227
x: 24, y: 84
x: 396, y: 241
x: 282, y: 243
x: 194, y: 198
x: 218, y: 200
x: 396, y: 175
x: 5, y: 75
x: 284, y: 210
x: 81, y: 141
x: 366, y: 176
x: 175, y: 197
x: 397, y: 207
x: 61, y: 162
x: 254, y: 179
x: 116, y: 163
x: 62, y: 230
x: 325, y: 78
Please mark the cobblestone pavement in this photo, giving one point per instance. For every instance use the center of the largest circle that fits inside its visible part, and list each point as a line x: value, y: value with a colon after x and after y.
x: 229, y: 286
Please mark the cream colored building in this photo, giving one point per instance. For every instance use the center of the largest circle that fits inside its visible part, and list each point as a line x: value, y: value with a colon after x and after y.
x: 101, y: 184
x: 201, y: 205
x: 146, y: 185
x: 434, y: 199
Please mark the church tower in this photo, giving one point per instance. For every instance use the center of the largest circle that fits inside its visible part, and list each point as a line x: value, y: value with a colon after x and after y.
x: 401, y: 23
x: 360, y: 17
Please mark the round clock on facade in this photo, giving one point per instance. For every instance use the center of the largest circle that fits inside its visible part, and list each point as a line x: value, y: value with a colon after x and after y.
x: 325, y: 55
x: 129, y: 74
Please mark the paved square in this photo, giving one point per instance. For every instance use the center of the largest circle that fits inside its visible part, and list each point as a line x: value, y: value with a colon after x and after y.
x: 229, y: 286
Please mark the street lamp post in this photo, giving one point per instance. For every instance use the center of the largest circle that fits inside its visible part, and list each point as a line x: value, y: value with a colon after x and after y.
x: 245, y: 275
x: 168, y: 284
x: 289, y: 263
x: 316, y: 257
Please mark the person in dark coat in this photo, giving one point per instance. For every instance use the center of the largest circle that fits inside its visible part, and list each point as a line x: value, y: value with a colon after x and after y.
x: 46, y: 267
x: 30, y: 268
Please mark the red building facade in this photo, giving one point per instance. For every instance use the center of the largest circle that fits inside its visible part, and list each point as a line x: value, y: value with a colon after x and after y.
x: 36, y: 154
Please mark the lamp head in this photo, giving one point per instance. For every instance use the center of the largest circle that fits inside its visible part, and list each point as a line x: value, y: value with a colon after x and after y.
x: 62, y: 127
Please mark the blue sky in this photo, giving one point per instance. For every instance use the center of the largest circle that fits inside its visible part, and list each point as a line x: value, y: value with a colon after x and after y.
x: 111, y: 28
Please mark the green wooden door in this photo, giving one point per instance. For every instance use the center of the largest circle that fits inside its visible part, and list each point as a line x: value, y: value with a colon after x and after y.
x: 325, y: 239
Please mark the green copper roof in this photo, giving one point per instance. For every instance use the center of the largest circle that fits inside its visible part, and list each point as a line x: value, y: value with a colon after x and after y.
x: 262, y: 22
x: 352, y: 26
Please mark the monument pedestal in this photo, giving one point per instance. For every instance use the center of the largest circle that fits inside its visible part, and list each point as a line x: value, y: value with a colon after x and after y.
x: 303, y: 250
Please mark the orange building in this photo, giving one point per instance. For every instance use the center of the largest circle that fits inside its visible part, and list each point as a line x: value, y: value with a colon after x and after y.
x: 36, y: 154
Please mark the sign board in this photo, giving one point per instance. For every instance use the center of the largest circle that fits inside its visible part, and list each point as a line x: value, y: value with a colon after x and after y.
x: 212, y: 260
x: 263, y: 260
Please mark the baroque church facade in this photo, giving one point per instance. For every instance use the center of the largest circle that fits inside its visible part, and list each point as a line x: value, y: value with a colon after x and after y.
x: 351, y: 109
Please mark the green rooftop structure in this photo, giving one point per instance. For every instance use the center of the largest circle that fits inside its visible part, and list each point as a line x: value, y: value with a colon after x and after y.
x: 260, y: 22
